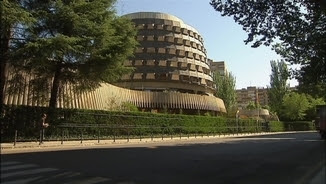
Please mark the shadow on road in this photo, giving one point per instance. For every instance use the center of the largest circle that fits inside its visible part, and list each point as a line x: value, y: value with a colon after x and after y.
x: 286, y: 158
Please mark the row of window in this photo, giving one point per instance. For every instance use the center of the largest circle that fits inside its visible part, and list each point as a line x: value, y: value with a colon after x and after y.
x: 168, y: 76
x: 171, y: 28
x: 172, y: 39
x: 172, y: 51
x: 167, y: 63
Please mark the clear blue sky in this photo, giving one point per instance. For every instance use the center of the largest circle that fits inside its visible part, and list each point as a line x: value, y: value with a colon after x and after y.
x: 223, y: 38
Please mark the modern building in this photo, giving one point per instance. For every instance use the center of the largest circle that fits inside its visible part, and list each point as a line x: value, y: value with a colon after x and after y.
x: 255, y: 95
x: 171, y: 56
x: 171, y: 74
x: 252, y: 94
x: 219, y: 67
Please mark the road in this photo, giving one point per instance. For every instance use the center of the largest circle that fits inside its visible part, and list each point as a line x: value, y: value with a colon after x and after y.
x: 283, y: 158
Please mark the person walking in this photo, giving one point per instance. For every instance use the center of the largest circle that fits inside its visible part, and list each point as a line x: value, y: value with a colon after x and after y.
x: 44, y: 125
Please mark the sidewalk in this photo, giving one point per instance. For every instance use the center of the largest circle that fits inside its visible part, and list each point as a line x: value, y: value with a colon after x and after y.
x: 34, y: 146
x: 320, y: 177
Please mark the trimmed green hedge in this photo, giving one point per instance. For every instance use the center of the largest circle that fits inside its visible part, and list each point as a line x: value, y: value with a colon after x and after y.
x: 26, y: 120
x: 278, y: 126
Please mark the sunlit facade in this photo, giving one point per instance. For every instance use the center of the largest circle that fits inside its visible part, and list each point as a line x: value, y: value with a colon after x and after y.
x: 171, y: 56
x: 172, y: 74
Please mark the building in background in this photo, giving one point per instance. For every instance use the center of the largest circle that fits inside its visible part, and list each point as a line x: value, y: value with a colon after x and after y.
x: 258, y: 96
x: 252, y: 94
x: 219, y: 67
x: 171, y: 74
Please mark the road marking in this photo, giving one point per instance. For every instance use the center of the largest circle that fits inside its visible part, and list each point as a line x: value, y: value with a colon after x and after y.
x: 23, y: 181
x: 24, y: 166
x: 9, y: 163
x: 28, y: 172
x: 21, y: 173
x: 94, y: 180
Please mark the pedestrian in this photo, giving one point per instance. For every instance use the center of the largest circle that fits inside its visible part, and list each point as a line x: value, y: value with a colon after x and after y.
x: 44, y: 125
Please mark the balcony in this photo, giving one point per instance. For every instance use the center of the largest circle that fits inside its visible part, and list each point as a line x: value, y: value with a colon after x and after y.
x: 127, y: 63
x: 150, y: 76
x: 139, y: 62
x: 161, y: 50
x: 180, y: 53
x: 150, y: 38
x: 150, y: 26
x: 139, y: 50
x: 169, y: 39
x: 162, y: 63
x: 150, y: 50
x: 138, y: 76
x: 171, y: 51
x: 176, y: 29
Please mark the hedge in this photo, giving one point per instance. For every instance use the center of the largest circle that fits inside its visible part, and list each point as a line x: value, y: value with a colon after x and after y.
x: 279, y: 126
x: 26, y: 120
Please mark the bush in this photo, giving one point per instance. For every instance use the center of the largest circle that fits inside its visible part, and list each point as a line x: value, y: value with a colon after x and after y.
x: 26, y: 120
x: 279, y: 126
x: 276, y: 126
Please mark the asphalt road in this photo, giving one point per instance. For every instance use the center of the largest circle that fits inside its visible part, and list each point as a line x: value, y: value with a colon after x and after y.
x: 284, y: 158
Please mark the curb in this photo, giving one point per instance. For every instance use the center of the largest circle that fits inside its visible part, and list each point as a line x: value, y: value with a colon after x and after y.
x: 134, y: 141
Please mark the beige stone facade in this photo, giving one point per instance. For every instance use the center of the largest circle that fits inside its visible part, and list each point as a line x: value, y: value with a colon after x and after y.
x: 252, y: 94
x: 219, y: 67
x: 171, y: 73
x: 171, y: 56
x: 110, y: 97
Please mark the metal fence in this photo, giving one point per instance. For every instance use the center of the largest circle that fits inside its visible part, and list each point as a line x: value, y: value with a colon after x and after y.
x: 82, y: 132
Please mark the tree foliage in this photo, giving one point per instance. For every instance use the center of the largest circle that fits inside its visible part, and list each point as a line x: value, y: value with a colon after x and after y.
x: 251, y: 105
x: 278, y: 86
x: 299, y: 27
x: 80, y: 43
x: 311, y: 112
x: 225, y: 89
x: 294, y: 106
x: 12, y: 15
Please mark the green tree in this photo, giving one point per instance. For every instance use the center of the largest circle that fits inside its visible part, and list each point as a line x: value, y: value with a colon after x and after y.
x: 311, y: 111
x: 294, y: 106
x: 251, y: 106
x: 81, y: 43
x: 12, y: 15
x: 278, y: 86
x: 298, y: 26
x: 225, y: 89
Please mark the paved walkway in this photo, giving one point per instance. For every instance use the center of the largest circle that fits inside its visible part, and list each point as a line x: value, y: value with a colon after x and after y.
x: 320, y: 177
x: 26, y: 146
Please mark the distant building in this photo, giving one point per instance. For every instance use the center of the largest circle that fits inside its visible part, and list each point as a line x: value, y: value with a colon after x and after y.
x: 252, y: 94
x: 218, y: 66
x: 171, y: 74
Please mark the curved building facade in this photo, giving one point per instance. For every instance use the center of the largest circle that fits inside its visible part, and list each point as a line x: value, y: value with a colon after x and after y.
x: 111, y: 97
x: 171, y: 56
x: 172, y: 73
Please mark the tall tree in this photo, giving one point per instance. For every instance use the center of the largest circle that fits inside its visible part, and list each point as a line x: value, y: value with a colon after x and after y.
x: 311, y: 112
x: 80, y: 43
x: 278, y: 86
x: 12, y: 15
x: 299, y: 27
x: 225, y: 89
x: 294, y: 106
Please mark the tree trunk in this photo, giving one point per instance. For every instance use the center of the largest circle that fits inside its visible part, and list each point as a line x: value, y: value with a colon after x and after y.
x: 55, y: 88
x: 3, y: 62
x: 54, y: 94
